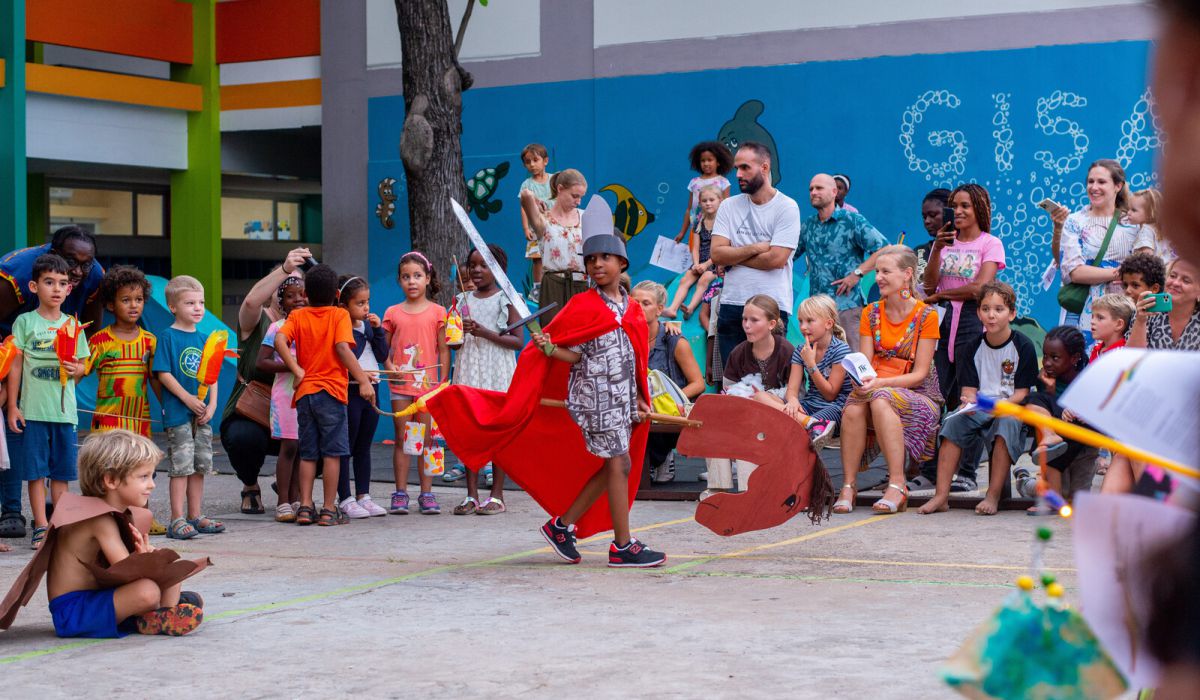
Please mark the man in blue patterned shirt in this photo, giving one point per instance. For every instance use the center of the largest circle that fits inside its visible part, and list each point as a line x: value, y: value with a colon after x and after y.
x: 835, y: 242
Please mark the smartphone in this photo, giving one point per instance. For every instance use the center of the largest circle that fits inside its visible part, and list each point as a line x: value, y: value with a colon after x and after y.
x: 308, y: 264
x: 1162, y: 303
x: 1049, y: 205
x: 948, y: 217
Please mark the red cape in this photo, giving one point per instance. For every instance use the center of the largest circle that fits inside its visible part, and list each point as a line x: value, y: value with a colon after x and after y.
x: 540, y: 447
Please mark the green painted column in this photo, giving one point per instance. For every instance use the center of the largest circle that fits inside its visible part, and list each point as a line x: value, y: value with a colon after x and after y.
x: 196, y: 192
x: 12, y: 126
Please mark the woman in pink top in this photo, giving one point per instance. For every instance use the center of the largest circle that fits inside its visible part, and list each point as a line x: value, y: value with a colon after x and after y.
x: 964, y: 257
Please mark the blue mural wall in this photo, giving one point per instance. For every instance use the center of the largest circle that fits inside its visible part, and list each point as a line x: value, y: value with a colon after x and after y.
x: 1024, y: 123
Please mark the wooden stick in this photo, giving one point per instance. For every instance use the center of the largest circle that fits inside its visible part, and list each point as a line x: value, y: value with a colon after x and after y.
x: 403, y: 371
x: 656, y: 417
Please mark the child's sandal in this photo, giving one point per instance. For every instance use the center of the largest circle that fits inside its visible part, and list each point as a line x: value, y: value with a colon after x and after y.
x: 327, y: 517
x: 39, y: 536
x: 305, y: 515
x: 492, y: 506
x: 206, y: 525
x: 181, y: 529
x: 467, y: 507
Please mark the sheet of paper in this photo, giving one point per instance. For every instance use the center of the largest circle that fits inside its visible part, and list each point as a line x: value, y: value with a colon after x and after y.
x: 965, y: 408
x: 1049, y: 275
x: 670, y: 255
x: 858, y: 367
x: 1112, y: 534
x: 1145, y: 398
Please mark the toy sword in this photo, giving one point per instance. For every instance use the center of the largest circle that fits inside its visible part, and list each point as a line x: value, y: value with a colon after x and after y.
x: 527, y: 318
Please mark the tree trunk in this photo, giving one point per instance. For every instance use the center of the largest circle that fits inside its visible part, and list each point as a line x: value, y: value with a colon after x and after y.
x: 430, y: 145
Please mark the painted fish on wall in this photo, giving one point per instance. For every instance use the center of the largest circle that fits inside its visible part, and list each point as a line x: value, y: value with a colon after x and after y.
x: 480, y: 188
x: 745, y: 127
x: 630, y: 216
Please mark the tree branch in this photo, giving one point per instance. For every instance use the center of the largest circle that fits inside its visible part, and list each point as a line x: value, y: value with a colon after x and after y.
x: 462, y: 28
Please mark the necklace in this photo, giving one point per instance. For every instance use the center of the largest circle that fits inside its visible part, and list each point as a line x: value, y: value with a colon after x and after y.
x: 893, y: 351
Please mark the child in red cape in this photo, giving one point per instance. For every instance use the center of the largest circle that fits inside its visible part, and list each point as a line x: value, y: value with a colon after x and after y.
x: 582, y: 465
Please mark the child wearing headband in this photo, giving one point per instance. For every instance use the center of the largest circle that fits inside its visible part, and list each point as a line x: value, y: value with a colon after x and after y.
x: 419, y: 360
x: 284, y: 426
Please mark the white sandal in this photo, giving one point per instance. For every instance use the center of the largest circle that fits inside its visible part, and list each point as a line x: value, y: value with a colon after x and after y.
x: 883, y: 505
x: 483, y: 507
x: 843, y: 505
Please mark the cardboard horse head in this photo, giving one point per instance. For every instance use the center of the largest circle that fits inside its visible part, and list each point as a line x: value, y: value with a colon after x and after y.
x: 790, y: 478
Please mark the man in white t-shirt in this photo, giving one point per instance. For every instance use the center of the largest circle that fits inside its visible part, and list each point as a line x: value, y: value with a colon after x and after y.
x: 755, y: 234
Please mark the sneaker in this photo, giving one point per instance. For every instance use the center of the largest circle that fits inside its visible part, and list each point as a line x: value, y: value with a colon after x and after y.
x: 634, y: 555
x: 1026, y: 482
x: 961, y: 484
x: 920, y: 482
x: 535, y: 293
x: 373, y: 509
x: 353, y: 509
x: 665, y: 472
x: 173, y: 622
x: 428, y: 503
x: 399, y: 503
x: 562, y: 539
x: 489, y: 476
x: 820, y: 432
x: 453, y: 474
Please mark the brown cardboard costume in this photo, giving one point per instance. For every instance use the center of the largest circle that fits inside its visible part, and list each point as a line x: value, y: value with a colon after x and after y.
x: 163, y: 566
x: 789, y: 479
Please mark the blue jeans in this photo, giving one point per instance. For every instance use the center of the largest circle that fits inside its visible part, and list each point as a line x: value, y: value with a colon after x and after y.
x: 10, y: 479
x: 729, y: 328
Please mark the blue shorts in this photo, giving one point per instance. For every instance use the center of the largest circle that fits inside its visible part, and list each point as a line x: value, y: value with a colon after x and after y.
x: 324, y: 431
x: 49, y: 451
x: 86, y: 614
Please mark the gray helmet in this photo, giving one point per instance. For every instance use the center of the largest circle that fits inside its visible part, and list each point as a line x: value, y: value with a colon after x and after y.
x: 605, y: 243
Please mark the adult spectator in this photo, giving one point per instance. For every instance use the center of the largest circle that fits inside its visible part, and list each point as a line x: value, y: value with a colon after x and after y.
x: 754, y: 236
x: 670, y: 354
x: 902, y: 404
x: 840, y: 247
x: 78, y: 248
x: 843, y: 188
x: 931, y: 219
x: 1176, y: 72
x: 245, y: 441
x: 963, y: 258
x: 1179, y: 328
x: 560, y: 231
x: 1082, y: 235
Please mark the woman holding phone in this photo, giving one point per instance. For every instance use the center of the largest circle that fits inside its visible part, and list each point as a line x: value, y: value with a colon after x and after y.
x: 963, y: 258
x: 1179, y: 328
x: 1082, y: 235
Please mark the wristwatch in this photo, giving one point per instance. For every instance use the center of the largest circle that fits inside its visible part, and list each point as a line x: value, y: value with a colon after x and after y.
x: 858, y: 272
x: 810, y: 370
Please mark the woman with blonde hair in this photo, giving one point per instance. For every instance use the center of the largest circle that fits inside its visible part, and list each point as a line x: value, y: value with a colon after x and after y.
x: 901, y: 405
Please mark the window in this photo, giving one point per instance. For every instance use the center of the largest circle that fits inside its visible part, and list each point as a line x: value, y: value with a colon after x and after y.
x: 264, y: 219
x: 108, y: 211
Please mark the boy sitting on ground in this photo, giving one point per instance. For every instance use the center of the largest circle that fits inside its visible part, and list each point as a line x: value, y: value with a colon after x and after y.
x: 104, y: 579
x: 1004, y: 366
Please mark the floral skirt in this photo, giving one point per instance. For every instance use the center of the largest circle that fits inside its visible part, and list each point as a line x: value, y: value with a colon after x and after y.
x: 918, y: 414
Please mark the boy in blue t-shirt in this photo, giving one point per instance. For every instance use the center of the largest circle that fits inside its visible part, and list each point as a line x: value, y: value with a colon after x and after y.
x: 1004, y: 365
x: 187, y: 419
x: 47, y: 399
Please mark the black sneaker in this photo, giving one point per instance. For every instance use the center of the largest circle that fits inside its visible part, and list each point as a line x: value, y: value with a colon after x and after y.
x: 634, y: 555
x: 562, y: 539
x: 961, y: 484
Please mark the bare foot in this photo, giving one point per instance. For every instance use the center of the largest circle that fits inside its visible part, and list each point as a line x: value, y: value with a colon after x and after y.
x: 687, y: 314
x: 937, y: 504
x: 669, y: 313
x: 988, y: 506
x: 5, y: 548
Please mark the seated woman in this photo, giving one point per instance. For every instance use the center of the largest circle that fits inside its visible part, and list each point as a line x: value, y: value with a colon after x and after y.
x: 671, y: 354
x: 902, y: 404
x: 1177, y: 329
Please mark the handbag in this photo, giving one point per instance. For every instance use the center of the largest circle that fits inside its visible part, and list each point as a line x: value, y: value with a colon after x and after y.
x: 1073, y: 296
x: 254, y: 402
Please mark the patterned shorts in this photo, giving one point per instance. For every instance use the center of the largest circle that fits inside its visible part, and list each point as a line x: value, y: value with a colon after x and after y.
x: 189, y: 449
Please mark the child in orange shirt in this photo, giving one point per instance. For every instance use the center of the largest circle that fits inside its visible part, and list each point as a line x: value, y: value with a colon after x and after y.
x: 322, y: 335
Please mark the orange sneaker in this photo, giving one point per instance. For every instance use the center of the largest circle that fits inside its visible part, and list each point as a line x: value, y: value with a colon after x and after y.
x: 173, y: 622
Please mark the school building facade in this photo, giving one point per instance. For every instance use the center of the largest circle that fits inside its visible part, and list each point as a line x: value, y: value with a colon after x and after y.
x: 209, y: 137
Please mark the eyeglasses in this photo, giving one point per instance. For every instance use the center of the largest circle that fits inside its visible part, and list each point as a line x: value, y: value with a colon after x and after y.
x: 83, y: 267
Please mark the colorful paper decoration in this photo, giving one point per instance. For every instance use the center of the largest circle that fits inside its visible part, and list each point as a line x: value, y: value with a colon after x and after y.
x: 66, y: 347
x: 8, y: 352
x: 210, y: 361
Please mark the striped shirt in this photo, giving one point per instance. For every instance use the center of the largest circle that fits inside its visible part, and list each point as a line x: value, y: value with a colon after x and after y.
x: 122, y: 400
